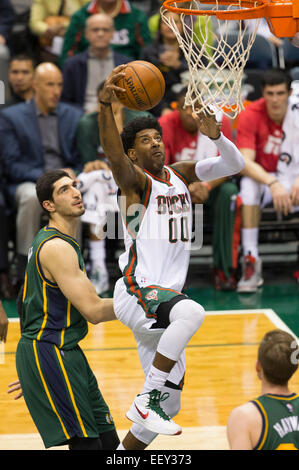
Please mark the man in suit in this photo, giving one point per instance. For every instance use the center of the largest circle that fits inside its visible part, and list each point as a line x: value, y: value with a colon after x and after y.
x: 36, y: 136
x: 83, y: 72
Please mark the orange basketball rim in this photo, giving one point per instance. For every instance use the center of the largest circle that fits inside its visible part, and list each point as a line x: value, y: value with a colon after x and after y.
x: 282, y: 15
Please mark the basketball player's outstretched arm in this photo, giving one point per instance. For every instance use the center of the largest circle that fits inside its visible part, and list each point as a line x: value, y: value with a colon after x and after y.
x: 230, y: 161
x: 127, y: 176
x: 60, y: 265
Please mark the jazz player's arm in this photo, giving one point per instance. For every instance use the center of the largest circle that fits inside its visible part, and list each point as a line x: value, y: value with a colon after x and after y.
x: 228, y: 163
x: 244, y: 427
x: 128, y: 177
x: 59, y: 263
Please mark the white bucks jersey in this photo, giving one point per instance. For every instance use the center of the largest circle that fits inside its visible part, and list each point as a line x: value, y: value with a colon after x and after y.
x: 157, y: 236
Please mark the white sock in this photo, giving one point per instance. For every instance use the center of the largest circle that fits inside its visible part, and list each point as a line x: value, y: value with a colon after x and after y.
x: 250, y: 241
x: 155, y: 380
x: 120, y: 447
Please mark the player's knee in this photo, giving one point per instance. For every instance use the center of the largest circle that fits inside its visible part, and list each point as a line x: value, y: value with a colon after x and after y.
x: 190, y: 312
x: 250, y: 192
x: 196, y: 315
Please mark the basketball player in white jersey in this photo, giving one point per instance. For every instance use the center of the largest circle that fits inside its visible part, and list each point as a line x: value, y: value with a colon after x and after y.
x: 156, y: 210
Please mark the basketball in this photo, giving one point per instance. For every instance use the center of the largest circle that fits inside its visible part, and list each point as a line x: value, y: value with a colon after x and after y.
x: 144, y: 85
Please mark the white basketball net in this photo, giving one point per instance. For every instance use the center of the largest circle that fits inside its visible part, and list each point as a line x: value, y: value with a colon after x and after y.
x: 215, y: 71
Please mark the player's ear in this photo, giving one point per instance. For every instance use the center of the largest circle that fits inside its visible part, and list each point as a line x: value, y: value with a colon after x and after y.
x: 132, y: 155
x: 258, y: 368
x: 48, y: 206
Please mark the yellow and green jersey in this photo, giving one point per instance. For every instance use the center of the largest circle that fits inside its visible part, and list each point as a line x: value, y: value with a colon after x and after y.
x: 280, y: 415
x: 47, y: 315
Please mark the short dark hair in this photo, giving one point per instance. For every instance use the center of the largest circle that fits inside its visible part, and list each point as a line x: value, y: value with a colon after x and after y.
x: 276, y: 77
x: 45, y: 185
x: 23, y: 57
x: 138, y: 124
x: 275, y: 356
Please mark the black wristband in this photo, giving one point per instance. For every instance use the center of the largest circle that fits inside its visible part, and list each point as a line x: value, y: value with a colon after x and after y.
x: 105, y: 103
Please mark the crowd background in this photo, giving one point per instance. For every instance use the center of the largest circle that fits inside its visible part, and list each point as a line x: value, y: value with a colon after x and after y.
x: 54, y: 58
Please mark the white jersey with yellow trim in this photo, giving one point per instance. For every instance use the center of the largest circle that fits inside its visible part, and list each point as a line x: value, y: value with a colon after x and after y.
x: 158, y: 236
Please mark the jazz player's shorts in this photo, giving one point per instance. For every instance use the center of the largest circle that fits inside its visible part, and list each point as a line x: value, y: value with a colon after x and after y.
x: 146, y: 312
x: 61, y: 392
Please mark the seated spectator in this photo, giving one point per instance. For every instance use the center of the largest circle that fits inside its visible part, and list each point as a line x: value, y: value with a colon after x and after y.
x: 98, y: 186
x: 85, y: 71
x: 267, y: 136
x: 7, y: 18
x: 166, y: 54
x: 131, y: 29
x: 183, y: 141
x: 20, y: 79
x: 36, y: 136
x: 49, y: 20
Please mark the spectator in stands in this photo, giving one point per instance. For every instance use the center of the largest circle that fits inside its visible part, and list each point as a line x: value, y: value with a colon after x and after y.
x: 20, y: 79
x: 98, y: 187
x: 49, y: 20
x: 131, y: 29
x: 166, y: 54
x: 36, y: 136
x: 7, y: 18
x: 83, y: 72
x: 267, y: 136
x: 183, y: 141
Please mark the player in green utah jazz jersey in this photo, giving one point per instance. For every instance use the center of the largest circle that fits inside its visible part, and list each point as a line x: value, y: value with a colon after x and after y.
x: 271, y: 421
x: 59, y: 388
